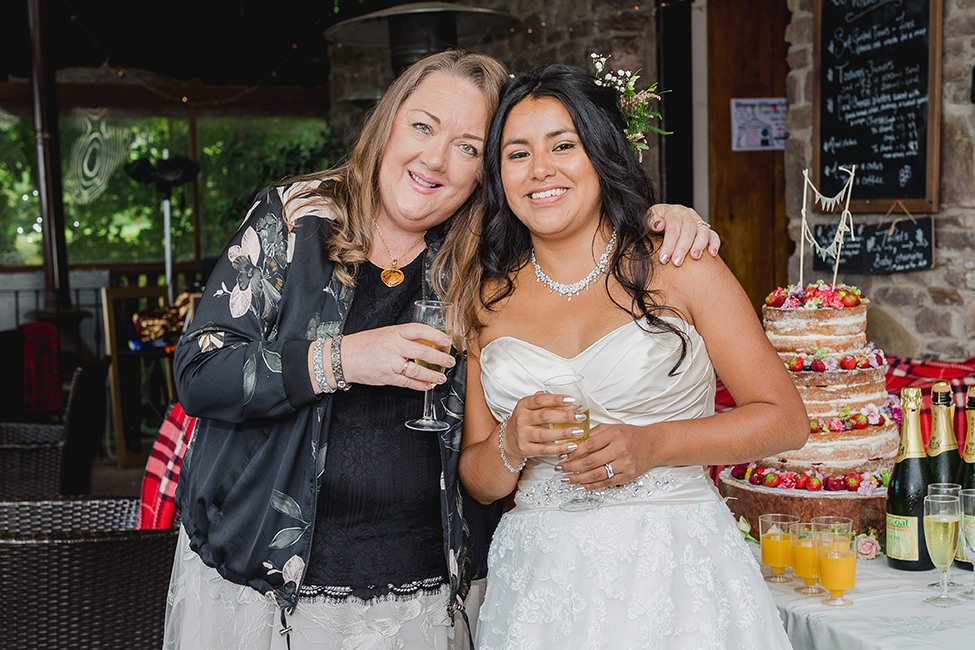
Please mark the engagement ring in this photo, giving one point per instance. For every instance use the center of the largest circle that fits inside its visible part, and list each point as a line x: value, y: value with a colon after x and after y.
x: 609, y: 471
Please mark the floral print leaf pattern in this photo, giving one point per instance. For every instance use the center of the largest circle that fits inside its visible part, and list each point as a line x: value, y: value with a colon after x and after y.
x: 250, y: 378
x: 287, y: 537
x: 286, y: 505
x: 320, y: 461
x: 293, y: 569
x: 272, y: 360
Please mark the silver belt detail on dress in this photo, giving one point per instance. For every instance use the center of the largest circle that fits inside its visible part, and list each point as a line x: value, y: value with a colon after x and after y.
x: 552, y: 492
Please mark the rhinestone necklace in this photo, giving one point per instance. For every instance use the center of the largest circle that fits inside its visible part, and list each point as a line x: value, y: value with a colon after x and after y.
x: 569, y: 290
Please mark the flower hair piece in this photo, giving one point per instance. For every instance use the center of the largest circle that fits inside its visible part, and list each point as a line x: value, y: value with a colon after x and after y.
x: 637, y: 106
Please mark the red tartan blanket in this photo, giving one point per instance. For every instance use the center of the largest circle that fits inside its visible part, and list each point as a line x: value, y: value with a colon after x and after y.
x: 157, y: 506
x: 903, y: 372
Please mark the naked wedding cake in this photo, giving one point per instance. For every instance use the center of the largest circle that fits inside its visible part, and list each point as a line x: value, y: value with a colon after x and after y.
x: 819, y: 332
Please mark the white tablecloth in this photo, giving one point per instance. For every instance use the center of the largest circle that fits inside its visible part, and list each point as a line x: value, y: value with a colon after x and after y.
x: 887, y: 612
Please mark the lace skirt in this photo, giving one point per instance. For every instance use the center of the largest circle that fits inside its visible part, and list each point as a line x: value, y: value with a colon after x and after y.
x: 204, y: 611
x: 626, y: 576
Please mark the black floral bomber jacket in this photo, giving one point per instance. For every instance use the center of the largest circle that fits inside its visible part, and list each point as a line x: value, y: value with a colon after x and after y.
x: 249, y: 483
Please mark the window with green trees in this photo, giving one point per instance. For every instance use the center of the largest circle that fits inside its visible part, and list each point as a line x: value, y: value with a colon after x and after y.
x: 110, y: 218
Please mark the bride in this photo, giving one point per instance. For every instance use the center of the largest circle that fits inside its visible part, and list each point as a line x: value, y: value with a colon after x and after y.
x: 568, y: 284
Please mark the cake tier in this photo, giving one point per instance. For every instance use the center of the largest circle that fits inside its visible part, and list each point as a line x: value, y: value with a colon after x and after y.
x: 750, y: 501
x: 840, y: 453
x: 834, y: 330
x: 827, y: 393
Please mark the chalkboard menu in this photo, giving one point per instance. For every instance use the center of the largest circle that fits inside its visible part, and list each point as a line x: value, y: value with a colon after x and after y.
x: 890, y: 247
x: 876, y: 101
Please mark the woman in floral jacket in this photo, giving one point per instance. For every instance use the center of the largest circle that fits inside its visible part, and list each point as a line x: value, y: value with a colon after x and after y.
x: 303, y: 344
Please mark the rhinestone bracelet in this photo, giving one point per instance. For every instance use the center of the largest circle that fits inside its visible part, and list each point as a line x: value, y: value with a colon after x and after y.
x: 319, y: 367
x: 340, y: 383
x: 504, y: 459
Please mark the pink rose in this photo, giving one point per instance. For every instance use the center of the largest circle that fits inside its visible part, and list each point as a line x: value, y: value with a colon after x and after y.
x: 867, y: 546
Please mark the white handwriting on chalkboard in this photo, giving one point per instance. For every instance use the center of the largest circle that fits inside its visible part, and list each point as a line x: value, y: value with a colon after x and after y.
x: 865, y: 7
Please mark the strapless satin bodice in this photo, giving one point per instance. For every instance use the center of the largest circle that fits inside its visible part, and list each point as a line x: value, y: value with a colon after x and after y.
x: 626, y: 374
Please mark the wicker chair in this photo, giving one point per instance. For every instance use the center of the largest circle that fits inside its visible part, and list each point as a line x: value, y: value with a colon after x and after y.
x: 30, y: 459
x: 81, y: 576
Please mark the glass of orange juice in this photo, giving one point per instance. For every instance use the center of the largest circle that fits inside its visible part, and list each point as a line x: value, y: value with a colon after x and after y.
x: 776, y: 543
x: 805, y: 562
x: 837, y: 564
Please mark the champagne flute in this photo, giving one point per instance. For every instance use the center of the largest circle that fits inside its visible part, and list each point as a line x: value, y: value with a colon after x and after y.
x: 951, y: 489
x: 967, y: 534
x: 805, y: 562
x: 436, y: 314
x: 776, y: 541
x: 570, y: 385
x: 942, y: 519
x: 837, y: 563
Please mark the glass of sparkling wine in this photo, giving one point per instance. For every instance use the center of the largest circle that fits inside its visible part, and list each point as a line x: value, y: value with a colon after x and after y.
x: 951, y: 489
x: 776, y: 541
x: 837, y: 564
x: 805, y: 562
x: 942, y: 521
x: 570, y: 385
x: 967, y: 534
x: 436, y: 314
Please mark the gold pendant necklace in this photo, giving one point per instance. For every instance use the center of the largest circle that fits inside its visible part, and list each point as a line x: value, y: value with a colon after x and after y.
x: 393, y: 276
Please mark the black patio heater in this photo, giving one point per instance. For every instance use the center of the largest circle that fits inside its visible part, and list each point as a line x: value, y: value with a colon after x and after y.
x: 166, y: 173
x: 415, y: 30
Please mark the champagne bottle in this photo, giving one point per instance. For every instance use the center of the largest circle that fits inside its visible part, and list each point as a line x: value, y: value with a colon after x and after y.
x: 966, y: 469
x: 943, y: 458
x: 906, y: 490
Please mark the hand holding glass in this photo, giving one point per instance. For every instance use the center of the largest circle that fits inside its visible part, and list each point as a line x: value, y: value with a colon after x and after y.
x: 942, y: 520
x: 570, y: 385
x: 837, y: 564
x: 436, y: 314
x: 776, y: 541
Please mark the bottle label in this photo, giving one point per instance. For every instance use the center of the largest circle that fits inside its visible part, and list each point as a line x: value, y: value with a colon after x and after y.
x: 902, y: 537
x: 942, y: 430
x: 969, y: 452
x: 967, y: 531
x: 908, y: 451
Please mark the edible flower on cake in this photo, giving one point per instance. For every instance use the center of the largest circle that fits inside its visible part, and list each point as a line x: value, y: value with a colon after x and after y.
x: 819, y: 295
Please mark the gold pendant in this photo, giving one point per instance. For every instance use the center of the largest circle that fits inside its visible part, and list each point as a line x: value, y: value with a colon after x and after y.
x: 391, y: 277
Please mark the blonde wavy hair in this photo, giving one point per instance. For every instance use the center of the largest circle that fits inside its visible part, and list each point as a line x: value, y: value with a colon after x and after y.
x: 353, y: 193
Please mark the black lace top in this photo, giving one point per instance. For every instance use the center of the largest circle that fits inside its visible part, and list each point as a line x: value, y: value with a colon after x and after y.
x: 378, y: 529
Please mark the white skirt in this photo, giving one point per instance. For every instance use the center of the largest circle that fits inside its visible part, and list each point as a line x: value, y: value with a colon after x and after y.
x: 204, y: 611
x: 663, y: 572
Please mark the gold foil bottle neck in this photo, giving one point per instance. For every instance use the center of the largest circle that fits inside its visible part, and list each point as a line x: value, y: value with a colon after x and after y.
x: 911, y: 398
x: 971, y: 397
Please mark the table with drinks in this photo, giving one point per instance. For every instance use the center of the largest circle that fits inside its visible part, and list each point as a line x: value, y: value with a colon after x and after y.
x: 830, y: 598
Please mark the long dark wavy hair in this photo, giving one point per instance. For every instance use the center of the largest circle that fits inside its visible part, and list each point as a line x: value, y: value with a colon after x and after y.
x: 624, y: 185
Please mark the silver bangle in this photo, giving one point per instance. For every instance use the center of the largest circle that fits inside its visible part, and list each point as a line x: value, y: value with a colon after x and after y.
x: 504, y: 459
x: 319, y: 366
x: 340, y: 383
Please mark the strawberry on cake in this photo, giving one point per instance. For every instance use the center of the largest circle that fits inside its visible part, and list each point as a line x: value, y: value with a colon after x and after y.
x: 819, y: 332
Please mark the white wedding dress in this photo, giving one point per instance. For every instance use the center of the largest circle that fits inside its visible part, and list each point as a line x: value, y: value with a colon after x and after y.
x: 660, y: 564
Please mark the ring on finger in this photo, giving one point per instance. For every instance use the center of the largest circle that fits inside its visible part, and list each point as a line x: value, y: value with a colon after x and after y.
x: 704, y: 223
x: 406, y: 364
x: 609, y: 471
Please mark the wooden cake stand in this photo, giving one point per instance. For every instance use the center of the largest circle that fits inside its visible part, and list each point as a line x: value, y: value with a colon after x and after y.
x: 750, y: 501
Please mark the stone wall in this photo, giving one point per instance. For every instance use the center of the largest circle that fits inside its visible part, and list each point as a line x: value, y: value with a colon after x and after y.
x: 928, y: 314
x: 551, y: 32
